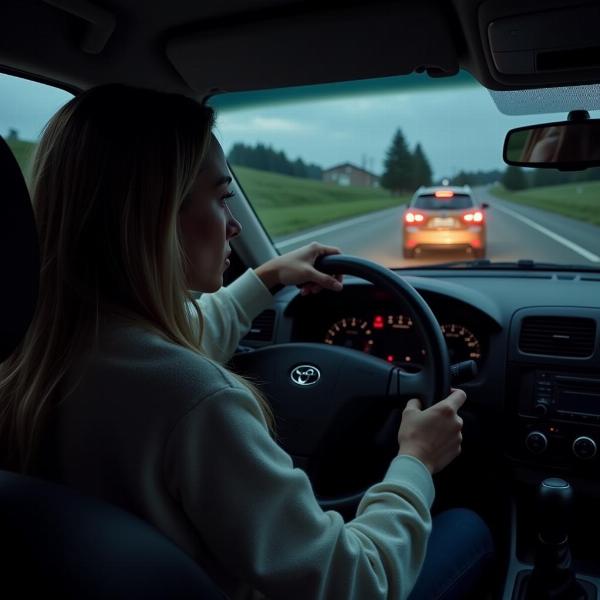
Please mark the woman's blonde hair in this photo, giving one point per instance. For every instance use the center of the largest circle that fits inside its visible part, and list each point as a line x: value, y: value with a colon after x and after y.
x: 110, y: 174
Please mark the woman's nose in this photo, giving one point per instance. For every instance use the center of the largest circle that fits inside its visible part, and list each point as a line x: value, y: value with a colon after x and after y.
x: 234, y: 227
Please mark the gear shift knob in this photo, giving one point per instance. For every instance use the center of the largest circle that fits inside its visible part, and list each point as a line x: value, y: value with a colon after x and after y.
x: 555, y: 497
x: 553, y: 577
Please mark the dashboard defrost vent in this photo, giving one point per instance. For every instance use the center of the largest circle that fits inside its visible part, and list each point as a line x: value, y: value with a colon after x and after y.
x: 262, y: 327
x: 558, y: 336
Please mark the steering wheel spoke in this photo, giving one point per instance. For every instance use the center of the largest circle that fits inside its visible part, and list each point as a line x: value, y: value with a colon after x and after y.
x: 409, y: 385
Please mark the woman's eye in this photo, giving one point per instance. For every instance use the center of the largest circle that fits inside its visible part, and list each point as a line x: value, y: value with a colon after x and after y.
x: 227, y: 197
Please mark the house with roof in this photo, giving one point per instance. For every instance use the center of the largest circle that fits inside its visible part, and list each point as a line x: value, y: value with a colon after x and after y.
x: 348, y: 174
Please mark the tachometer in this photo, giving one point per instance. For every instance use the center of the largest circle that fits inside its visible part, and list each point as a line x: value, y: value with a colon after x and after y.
x: 351, y: 333
x: 462, y: 343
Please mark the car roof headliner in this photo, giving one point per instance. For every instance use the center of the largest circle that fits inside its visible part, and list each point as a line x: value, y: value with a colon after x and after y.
x: 199, y: 48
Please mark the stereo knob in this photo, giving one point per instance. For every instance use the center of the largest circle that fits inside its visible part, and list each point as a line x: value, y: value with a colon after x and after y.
x: 536, y: 442
x: 541, y: 409
x: 584, y: 447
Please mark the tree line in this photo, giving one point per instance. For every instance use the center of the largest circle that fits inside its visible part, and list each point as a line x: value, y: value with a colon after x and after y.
x: 473, y: 178
x: 265, y: 158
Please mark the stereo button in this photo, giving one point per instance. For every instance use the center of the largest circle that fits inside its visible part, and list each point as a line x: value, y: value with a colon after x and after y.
x: 536, y: 442
x: 584, y: 447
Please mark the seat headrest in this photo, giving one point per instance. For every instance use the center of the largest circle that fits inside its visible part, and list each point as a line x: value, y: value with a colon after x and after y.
x: 19, y: 254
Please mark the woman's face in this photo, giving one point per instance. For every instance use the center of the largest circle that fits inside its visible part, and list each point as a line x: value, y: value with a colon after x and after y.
x: 207, y: 224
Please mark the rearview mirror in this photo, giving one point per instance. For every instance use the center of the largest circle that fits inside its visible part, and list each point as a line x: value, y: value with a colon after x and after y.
x: 567, y: 145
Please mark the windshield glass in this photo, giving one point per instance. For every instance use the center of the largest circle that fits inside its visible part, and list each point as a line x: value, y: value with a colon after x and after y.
x: 341, y: 163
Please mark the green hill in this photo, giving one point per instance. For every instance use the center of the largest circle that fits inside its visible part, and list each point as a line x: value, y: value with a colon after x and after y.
x: 288, y: 204
x: 23, y: 152
x: 576, y: 200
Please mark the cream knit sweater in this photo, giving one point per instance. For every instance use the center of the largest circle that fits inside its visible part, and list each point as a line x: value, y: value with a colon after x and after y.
x: 172, y: 437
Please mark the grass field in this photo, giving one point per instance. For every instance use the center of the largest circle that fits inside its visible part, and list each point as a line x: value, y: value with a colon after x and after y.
x: 576, y: 200
x: 288, y: 204
x: 23, y: 151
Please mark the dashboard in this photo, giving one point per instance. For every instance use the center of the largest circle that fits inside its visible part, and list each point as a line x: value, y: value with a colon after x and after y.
x: 539, y: 407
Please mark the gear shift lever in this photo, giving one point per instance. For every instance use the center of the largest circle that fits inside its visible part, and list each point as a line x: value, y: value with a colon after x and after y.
x: 554, y: 500
x: 552, y: 576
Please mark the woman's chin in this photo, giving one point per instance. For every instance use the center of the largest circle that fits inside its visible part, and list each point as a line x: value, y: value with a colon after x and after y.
x: 207, y: 287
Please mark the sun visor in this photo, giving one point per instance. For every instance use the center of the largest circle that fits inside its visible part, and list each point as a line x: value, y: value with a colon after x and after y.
x: 273, y: 50
x: 540, y: 43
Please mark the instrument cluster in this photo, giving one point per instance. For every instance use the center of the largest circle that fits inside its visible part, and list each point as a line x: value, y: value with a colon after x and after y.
x: 393, y: 337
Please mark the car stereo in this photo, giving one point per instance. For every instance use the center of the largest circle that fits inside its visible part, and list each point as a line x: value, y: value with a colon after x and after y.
x: 563, y: 396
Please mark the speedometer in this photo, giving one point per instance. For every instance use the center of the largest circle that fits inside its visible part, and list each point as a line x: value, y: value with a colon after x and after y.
x: 462, y: 343
x: 351, y: 332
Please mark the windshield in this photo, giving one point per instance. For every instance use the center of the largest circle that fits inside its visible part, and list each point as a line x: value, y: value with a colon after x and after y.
x: 340, y: 163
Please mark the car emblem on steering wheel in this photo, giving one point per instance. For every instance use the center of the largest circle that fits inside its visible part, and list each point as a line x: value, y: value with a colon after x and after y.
x: 305, y: 375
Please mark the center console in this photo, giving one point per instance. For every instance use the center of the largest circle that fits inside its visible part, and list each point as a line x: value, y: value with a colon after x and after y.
x: 558, y: 416
x: 554, y: 389
x: 553, y: 431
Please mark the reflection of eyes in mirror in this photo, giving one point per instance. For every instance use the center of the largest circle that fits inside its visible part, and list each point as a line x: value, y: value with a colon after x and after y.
x: 569, y: 142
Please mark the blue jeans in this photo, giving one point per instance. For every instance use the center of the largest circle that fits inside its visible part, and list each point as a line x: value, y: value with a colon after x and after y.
x: 459, y: 552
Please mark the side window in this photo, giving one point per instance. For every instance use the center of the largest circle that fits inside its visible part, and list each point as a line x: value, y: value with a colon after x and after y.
x: 25, y: 108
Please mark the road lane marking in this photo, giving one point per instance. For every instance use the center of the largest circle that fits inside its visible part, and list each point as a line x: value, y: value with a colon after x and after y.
x: 557, y: 238
x: 330, y: 228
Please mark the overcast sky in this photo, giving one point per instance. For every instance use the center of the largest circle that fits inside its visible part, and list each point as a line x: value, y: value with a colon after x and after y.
x: 459, y: 128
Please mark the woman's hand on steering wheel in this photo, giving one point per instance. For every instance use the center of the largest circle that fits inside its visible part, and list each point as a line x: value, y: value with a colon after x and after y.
x: 297, y: 268
x: 434, y: 435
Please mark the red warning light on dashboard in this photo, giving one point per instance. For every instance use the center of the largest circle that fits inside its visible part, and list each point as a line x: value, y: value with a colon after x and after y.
x: 377, y: 322
x: 390, y: 358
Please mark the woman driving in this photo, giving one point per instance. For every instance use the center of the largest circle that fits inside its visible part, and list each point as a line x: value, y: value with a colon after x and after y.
x: 120, y: 390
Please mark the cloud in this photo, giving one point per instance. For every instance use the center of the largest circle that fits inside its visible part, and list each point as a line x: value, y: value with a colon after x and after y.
x: 239, y: 124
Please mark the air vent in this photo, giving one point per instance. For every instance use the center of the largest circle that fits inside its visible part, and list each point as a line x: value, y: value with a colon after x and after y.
x: 558, y: 336
x: 262, y: 327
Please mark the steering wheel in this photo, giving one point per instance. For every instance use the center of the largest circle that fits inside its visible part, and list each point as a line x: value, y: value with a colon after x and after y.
x: 312, y: 386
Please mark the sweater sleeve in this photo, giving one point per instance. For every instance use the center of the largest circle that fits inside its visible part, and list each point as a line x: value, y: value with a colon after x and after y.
x: 260, y: 518
x: 229, y: 312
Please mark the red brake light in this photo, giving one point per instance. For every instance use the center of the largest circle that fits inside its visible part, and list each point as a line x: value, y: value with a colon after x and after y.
x: 413, y: 217
x: 444, y: 194
x: 473, y: 217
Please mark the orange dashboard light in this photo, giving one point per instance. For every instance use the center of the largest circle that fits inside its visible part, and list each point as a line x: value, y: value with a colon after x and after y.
x: 444, y: 194
x: 378, y: 322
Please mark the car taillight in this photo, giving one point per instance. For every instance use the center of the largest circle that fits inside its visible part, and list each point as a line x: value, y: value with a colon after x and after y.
x: 411, y: 217
x: 473, y: 217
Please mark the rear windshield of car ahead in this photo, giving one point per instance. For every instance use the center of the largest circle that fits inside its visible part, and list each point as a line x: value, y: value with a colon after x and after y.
x: 430, y: 202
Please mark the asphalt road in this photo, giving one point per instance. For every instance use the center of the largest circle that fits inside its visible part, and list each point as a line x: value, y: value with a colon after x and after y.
x: 514, y: 232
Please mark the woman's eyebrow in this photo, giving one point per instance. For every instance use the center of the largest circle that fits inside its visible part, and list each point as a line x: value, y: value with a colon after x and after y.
x: 224, y: 180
